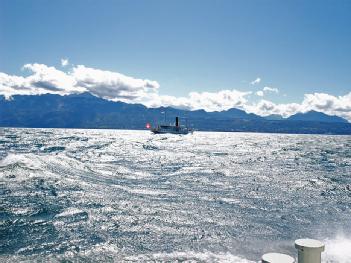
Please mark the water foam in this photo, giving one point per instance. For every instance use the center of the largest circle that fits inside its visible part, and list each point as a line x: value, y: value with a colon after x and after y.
x: 28, y: 161
x: 69, y: 212
x: 190, y: 256
x: 134, y: 204
x: 337, y: 250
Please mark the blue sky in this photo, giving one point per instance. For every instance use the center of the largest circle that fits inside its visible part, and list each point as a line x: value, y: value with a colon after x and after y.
x: 294, y: 47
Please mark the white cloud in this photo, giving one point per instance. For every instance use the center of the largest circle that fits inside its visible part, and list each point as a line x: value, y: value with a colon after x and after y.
x: 269, y: 89
x: 333, y: 105
x: 105, y: 84
x: 256, y: 81
x: 43, y: 80
x: 112, y: 85
x: 118, y: 87
x: 260, y: 93
x: 64, y: 62
x: 265, y: 90
x: 322, y: 102
x: 210, y: 101
x: 265, y: 107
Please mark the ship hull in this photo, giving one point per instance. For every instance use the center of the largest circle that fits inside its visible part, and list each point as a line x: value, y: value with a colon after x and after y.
x: 172, y: 129
x: 170, y: 132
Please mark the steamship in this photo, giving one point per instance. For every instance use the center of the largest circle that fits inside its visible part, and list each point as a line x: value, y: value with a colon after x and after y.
x: 173, y: 129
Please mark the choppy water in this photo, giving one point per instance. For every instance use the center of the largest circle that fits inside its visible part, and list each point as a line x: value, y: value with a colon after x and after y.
x: 90, y: 195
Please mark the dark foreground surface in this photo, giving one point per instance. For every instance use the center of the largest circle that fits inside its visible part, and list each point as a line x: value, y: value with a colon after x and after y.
x: 103, y: 195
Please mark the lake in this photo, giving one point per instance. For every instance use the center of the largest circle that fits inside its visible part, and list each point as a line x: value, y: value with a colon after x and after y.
x: 130, y: 196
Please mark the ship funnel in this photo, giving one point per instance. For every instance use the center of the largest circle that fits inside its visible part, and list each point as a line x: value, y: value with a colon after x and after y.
x: 177, y: 121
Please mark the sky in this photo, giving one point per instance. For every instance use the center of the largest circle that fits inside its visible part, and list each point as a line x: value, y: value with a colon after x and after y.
x: 263, y: 56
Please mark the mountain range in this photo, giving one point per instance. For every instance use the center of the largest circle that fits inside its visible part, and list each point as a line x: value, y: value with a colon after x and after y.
x: 87, y: 111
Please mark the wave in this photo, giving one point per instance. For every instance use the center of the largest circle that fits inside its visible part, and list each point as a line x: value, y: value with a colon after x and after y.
x: 189, y: 256
x: 26, y: 161
x: 53, y: 149
x: 129, y: 196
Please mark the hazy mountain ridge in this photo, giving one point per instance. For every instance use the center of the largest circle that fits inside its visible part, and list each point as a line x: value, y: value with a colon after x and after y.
x: 88, y: 111
x: 316, y: 116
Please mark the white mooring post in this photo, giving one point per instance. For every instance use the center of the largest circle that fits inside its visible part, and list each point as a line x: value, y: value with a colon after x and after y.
x: 309, y: 250
x: 277, y: 258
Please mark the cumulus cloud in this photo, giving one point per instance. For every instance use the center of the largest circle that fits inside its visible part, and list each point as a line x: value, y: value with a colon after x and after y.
x: 260, y: 93
x: 256, y: 81
x: 43, y: 80
x: 104, y: 84
x: 64, y: 62
x: 265, y: 90
x: 210, y: 101
x: 265, y: 107
x: 322, y: 102
x: 118, y: 87
x: 269, y: 89
x: 112, y: 85
x: 334, y: 105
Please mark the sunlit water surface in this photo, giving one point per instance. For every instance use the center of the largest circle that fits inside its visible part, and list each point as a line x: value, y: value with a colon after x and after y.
x: 130, y: 196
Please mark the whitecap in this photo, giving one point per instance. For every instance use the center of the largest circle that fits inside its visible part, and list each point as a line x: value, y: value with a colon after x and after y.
x: 190, y: 256
x: 337, y: 250
x: 28, y: 161
x: 69, y: 212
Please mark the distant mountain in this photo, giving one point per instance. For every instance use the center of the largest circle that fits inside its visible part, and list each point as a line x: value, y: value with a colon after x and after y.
x: 274, y: 117
x: 87, y: 111
x: 316, y: 116
x: 234, y: 114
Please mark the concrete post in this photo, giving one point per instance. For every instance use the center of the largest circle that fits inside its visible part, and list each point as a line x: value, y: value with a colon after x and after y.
x: 277, y: 258
x: 309, y: 250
